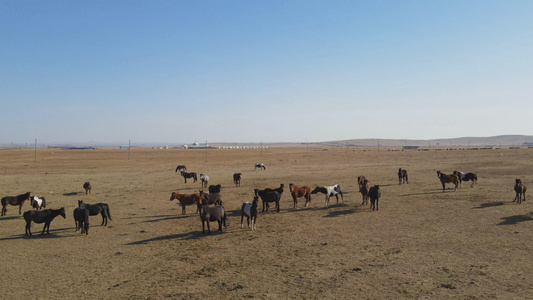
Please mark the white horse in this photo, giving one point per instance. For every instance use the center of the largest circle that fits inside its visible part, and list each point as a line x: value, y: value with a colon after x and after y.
x: 38, y: 202
x: 260, y: 166
x: 333, y: 190
x: 205, y: 180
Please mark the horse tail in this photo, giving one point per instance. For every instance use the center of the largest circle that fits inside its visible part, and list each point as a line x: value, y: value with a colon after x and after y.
x: 108, y: 212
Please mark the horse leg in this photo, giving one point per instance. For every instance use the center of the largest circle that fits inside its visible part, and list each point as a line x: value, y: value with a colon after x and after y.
x: 219, y: 221
x: 203, y: 226
x: 277, y: 205
x: 28, y: 229
x: 44, y: 228
x: 20, y: 208
x: 208, y: 227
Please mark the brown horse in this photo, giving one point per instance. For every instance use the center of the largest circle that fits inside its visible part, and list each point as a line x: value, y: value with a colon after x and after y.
x: 520, y: 188
x: 360, y: 181
x: 185, y: 199
x: 237, y: 179
x: 81, y: 219
x: 87, y: 186
x: 14, y: 200
x: 42, y: 216
x: 209, y: 214
x: 448, y: 179
x: 181, y: 168
x: 365, y: 190
x: 211, y: 198
x: 298, y: 192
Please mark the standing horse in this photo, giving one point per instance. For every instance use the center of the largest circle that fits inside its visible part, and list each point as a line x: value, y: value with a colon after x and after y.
x: 204, y: 179
x: 298, y: 192
x: 270, y: 195
x: 185, y: 199
x: 361, y: 181
x: 43, y: 216
x: 95, y: 209
x: 211, y: 198
x: 520, y: 188
x: 333, y: 190
x: 181, y: 168
x: 466, y: 177
x: 260, y: 166
x: 237, y: 179
x: 38, y: 203
x: 215, y: 189
x: 14, y: 200
x: 250, y: 211
x: 374, y: 194
x: 81, y: 219
x: 189, y: 175
x: 448, y: 179
x: 402, y: 176
x: 87, y: 186
x: 364, y: 190
x: 209, y: 214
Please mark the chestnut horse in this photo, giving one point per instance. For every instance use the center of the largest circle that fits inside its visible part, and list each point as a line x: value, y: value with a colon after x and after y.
x: 185, y: 199
x: 448, y: 179
x: 520, y: 189
x: 298, y: 192
x: 87, y: 186
x: 365, y: 190
x: 42, y: 216
x: 14, y: 200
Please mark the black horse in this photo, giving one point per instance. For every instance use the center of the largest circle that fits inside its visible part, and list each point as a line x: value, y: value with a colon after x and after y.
x: 402, y: 176
x: 215, y: 189
x: 189, y: 175
x: 14, y: 200
x: 98, y: 208
x: 81, y: 219
x: 42, y: 216
x: 181, y: 168
x: 466, y: 177
x: 374, y: 194
x: 270, y: 195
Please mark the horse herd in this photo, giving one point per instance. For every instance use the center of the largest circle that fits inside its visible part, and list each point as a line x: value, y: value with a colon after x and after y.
x: 209, y: 205
x: 46, y: 216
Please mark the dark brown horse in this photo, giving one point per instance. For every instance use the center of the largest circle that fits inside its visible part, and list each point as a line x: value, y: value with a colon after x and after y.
x: 181, y: 168
x: 360, y: 181
x: 211, y: 198
x: 81, y: 219
x: 42, y: 216
x: 189, y: 175
x: 402, y: 176
x: 448, y: 179
x: 364, y: 190
x: 95, y: 209
x: 269, y: 195
x: 237, y: 179
x: 210, y: 214
x: 520, y: 188
x: 87, y: 186
x: 14, y: 200
x: 374, y: 195
x: 298, y: 192
x: 185, y: 199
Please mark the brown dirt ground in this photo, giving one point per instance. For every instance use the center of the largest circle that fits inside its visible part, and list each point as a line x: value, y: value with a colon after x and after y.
x: 474, y: 243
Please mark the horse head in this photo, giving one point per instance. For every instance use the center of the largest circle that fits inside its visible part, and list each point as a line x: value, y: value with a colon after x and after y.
x: 80, y: 203
x: 62, y: 212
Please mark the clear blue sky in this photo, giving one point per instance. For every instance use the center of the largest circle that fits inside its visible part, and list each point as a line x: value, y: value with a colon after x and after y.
x: 271, y: 71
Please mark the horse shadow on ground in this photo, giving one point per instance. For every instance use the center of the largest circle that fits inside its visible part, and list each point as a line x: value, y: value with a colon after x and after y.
x: 489, y: 204
x: 180, y: 236
x: 338, y: 213
x: 160, y: 218
x: 439, y: 191
x: 71, y: 194
x: 37, y: 235
x: 11, y: 218
x: 513, y: 220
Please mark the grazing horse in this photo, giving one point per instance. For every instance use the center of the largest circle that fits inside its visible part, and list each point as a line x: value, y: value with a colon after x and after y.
x: 361, y: 181
x: 42, y: 216
x: 204, y: 179
x: 260, y: 166
x: 298, y: 192
x: 250, y: 211
x: 270, y: 195
x: 466, y: 177
x: 189, y: 175
x: 448, y: 179
x: 215, y: 189
x: 237, y: 179
x: 211, y: 198
x: 14, y: 200
x: 95, y: 209
x: 181, y: 168
x: 333, y: 190
x: 81, y: 219
x: 210, y: 214
x: 402, y: 176
x: 365, y: 190
x: 38, y: 203
x: 374, y: 194
x: 87, y: 186
x: 185, y: 199
x: 520, y: 188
